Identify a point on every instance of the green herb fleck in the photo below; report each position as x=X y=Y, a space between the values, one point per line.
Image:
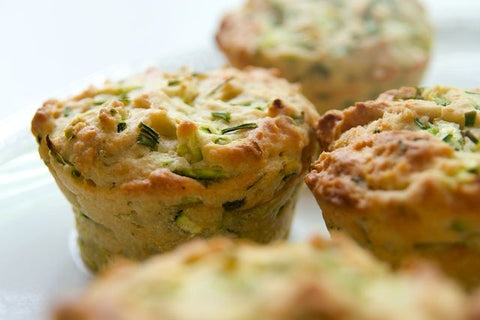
x=218 y=87
x=321 y=70
x=221 y=141
x=98 y=103
x=420 y=124
x=221 y=115
x=67 y=112
x=357 y=179
x=289 y=175
x=240 y=127
x=121 y=126
x=458 y=226
x=470 y=118
x=209 y=174
x=447 y=137
x=300 y=119
x=76 y=173
x=473 y=170
x=278 y=13
x=242 y=104
x=172 y=83
x=54 y=152
x=442 y=101
x=418 y=95
x=377 y=130
x=124 y=98
x=147 y=137
x=471 y=136
x=233 y=205
x=205 y=129
x=471 y=92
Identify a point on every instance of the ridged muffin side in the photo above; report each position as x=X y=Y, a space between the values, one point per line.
x=220 y=279
x=156 y=159
x=340 y=51
x=401 y=175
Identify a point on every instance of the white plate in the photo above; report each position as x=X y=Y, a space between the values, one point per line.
x=39 y=263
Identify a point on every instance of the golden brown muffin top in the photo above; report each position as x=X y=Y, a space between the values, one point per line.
x=408 y=147
x=333 y=28
x=221 y=279
x=156 y=128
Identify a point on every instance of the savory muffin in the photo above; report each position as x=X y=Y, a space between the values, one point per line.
x=339 y=50
x=156 y=159
x=401 y=175
x=222 y=280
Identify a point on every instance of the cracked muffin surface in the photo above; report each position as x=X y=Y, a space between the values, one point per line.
x=401 y=175
x=153 y=160
x=339 y=51
x=221 y=279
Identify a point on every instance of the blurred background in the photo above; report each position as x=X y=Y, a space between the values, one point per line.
x=46 y=46
x=53 y=47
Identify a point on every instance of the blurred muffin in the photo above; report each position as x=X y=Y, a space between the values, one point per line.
x=156 y=159
x=221 y=280
x=340 y=51
x=401 y=176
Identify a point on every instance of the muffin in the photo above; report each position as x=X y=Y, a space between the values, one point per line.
x=401 y=175
x=156 y=159
x=340 y=51
x=219 y=279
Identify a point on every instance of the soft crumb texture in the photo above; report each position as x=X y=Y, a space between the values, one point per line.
x=340 y=51
x=223 y=280
x=156 y=159
x=401 y=175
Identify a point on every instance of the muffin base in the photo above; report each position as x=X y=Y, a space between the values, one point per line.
x=394 y=243
x=265 y=223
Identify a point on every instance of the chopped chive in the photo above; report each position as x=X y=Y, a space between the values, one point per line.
x=300 y=118
x=205 y=129
x=447 y=137
x=288 y=176
x=420 y=124
x=242 y=104
x=76 y=173
x=471 y=92
x=54 y=152
x=208 y=174
x=67 y=112
x=172 y=83
x=124 y=98
x=377 y=130
x=458 y=226
x=470 y=118
x=321 y=70
x=240 y=127
x=442 y=101
x=221 y=141
x=147 y=141
x=473 y=170
x=121 y=126
x=233 y=205
x=219 y=86
x=471 y=136
x=147 y=137
x=221 y=115
x=98 y=103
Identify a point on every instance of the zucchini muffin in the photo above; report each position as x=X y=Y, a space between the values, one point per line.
x=156 y=159
x=340 y=51
x=222 y=280
x=401 y=175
